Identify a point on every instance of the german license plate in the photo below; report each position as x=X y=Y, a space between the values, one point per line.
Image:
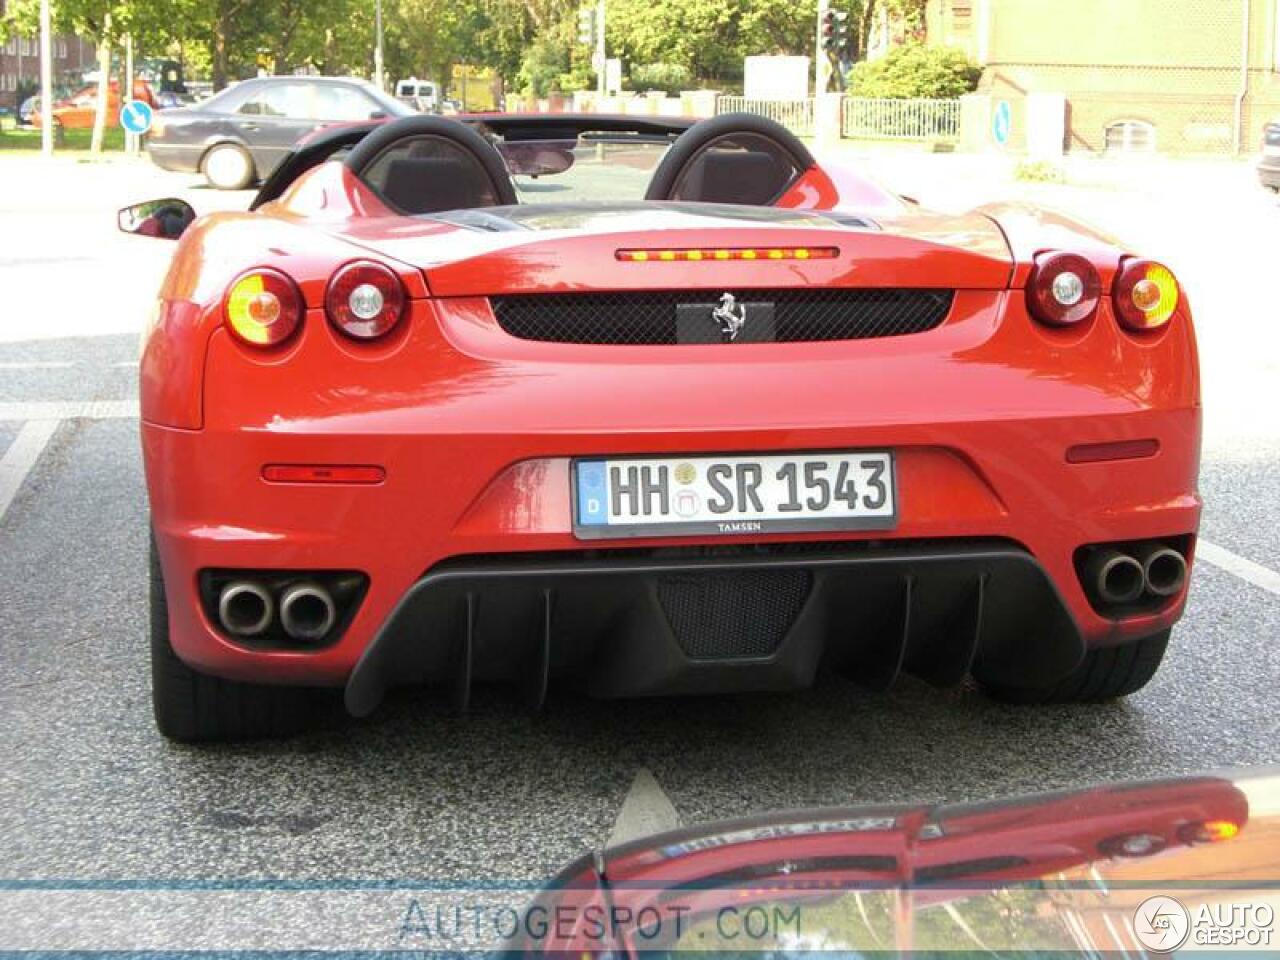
x=788 y=493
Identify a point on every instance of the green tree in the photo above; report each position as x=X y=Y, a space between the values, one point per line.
x=102 y=22
x=916 y=70
x=701 y=35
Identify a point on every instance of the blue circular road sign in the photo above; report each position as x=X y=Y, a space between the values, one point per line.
x=1002 y=122
x=135 y=116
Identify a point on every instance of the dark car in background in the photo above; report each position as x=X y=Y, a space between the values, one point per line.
x=1269 y=165
x=240 y=135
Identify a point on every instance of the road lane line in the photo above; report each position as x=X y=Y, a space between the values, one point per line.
x=70 y=410
x=21 y=457
x=1242 y=567
x=645 y=811
x=37 y=365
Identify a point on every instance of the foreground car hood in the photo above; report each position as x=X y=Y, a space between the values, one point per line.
x=1064 y=871
x=548 y=247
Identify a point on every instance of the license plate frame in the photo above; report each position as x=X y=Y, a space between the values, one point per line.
x=806 y=522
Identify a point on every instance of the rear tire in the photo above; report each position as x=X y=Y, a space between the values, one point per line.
x=191 y=706
x=228 y=166
x=1105 y=674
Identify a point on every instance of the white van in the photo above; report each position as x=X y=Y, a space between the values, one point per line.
x=422 y=95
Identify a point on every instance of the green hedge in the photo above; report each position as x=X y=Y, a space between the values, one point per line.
x=915 y=70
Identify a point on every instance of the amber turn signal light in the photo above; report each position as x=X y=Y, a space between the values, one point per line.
x=263 y=307
x=1145 y=295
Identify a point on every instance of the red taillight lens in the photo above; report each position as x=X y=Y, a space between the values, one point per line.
x=263 y=307
x=1145 y=295
x=365 y=300
x=322 y=473
x=1063 y=290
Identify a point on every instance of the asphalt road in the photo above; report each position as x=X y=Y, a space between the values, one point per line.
x=90 y=792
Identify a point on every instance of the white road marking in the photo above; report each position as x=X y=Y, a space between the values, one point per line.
x=70 y=410
x=21 y=457
x=37 y=365
x=645 y=811
x=1242 y=567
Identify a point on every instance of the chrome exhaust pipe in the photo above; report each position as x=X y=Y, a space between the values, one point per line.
x=245 y=608
x=307 y=611
x=1164 y=570
x=1115 y=577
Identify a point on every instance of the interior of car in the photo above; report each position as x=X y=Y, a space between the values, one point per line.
x=424 y=164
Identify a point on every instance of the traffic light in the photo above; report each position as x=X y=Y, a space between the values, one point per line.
x=587 y=26
x=835 y=31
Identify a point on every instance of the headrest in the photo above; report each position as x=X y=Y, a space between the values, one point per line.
x=431 y=184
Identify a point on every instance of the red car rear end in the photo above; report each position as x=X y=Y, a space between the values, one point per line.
x=942 y=445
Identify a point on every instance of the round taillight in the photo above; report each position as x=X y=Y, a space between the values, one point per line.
x=263 y=307
x=1132 y=845
x=365 y=300
x=1063 y=290
x=1145 y=295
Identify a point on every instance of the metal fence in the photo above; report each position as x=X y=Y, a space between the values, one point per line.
x=900 y=119
x=860 y=116
x=795 y=115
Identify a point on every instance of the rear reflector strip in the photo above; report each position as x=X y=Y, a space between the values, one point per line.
x=728 y=253
x=1118 y=450
x=321 y=473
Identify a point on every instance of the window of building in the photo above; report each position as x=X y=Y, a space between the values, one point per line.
x=12 y=47
x=62 y=49
x=1130 y=136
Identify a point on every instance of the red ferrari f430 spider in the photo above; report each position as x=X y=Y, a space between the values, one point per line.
x=656 y=407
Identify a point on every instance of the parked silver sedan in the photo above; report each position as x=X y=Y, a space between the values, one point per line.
x=240 y=135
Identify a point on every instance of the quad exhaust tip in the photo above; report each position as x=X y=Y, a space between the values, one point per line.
x=245 y=608
x=307 y=612
x=1115 y=577
x=1164 y=570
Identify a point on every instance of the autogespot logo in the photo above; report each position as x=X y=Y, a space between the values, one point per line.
x=1161 y=924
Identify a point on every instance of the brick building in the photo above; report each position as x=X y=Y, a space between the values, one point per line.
x=1178 y=76
x=20 y=64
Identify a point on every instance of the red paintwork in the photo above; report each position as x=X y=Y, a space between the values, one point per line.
x=475 y=428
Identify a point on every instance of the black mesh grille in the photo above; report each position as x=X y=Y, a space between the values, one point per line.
x=800 y=314
x=732 y=615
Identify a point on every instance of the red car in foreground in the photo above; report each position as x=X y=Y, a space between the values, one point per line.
x=657 y=407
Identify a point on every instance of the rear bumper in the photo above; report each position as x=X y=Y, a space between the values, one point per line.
x=476 y=434
x=726 y=619
x=179 y=157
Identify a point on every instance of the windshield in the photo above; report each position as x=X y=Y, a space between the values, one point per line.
x=590 y=168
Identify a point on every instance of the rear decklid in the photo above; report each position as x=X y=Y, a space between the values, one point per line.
x=544 y=248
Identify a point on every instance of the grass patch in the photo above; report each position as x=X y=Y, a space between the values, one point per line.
x=28 y=138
